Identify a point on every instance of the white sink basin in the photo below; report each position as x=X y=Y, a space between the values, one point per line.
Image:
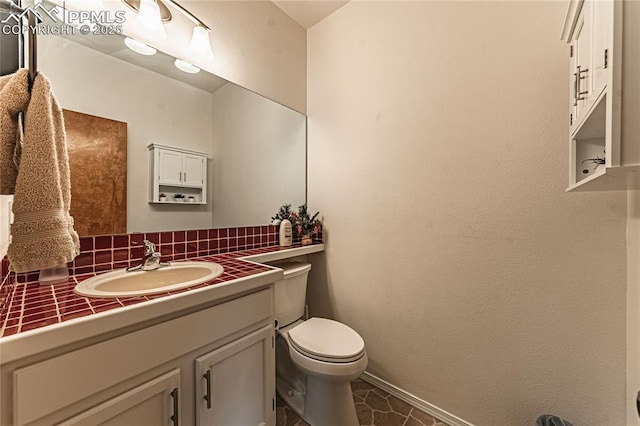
x=121 y=283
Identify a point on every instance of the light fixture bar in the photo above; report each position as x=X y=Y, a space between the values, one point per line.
x=165 y=13
x=186 y=13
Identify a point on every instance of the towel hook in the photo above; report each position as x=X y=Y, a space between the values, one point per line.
x=33 y=50
x=13 y=8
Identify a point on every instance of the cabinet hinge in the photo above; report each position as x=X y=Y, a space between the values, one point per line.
x=571 y=52
x=606 y=58
x=571 y=119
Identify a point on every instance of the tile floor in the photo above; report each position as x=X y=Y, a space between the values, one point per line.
x=375 y=407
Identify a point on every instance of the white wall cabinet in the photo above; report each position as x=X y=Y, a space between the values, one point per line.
x=177 y=171
x=155 y=375
x=235 y=383
x=603 y=149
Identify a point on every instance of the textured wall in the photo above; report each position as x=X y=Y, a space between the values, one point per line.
x=438 y=156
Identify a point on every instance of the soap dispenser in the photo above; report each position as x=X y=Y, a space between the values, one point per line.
x=286 y=234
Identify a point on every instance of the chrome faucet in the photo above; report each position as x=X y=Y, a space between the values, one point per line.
x=150 y=260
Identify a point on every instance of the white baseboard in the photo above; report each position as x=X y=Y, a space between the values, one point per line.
x=413 y=400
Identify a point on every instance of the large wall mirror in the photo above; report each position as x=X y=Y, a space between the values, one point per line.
x=256 y=147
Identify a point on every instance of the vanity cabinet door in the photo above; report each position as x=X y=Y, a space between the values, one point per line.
x=235 y=384
x=193 y=170
x=154 y=403
x=170 y=167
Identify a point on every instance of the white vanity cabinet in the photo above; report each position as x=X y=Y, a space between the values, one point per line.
x=234 y=384
x=155 y=375
x=177 y=171
x=604 y=150
x=153 y=403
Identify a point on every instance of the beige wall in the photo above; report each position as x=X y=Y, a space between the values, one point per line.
x=438 y=157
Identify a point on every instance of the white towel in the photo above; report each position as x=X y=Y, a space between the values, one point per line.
x=42 y=231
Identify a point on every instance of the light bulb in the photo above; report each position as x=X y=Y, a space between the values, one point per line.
x=139 y=47
x=149 y=18
x=200 y=43
x=186 y=67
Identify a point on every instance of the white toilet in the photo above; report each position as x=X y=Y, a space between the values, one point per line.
x=315 y=359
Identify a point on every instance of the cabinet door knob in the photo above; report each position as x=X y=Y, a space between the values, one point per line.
x=207 y=397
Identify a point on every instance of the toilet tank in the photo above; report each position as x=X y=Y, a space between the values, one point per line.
x=291 y=291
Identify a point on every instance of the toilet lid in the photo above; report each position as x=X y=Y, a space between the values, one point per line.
x=327 y=340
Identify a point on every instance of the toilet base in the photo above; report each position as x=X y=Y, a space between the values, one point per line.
x=329 y=403
x=319 y=400
x=326 y=403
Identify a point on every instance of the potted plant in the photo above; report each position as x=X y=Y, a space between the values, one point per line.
x=283 y=213
x=162 y=197
x=304 y=225
x=178 y=197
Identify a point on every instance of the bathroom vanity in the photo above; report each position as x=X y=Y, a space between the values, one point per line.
x=204 y=356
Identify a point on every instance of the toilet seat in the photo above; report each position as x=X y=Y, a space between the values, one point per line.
x=326 y=340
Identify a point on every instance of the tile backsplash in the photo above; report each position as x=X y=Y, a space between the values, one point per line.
x=104 y=253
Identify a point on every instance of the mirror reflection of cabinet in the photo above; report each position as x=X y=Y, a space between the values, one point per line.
x=177 y=171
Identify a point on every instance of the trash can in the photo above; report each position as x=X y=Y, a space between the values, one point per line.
x=549 y=420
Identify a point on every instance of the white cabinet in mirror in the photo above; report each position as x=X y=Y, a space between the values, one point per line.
x=256 y=147
x=178 y=175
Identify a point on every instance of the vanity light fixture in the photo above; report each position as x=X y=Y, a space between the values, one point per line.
x=153 y=13
x=139 y=47
x=186 y=67
x=149 y=17
x=200 y=43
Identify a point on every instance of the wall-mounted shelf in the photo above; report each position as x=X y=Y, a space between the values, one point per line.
x=178 y=202
x=177 y=171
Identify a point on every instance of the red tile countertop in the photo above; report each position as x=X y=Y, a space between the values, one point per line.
x=29 y=306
